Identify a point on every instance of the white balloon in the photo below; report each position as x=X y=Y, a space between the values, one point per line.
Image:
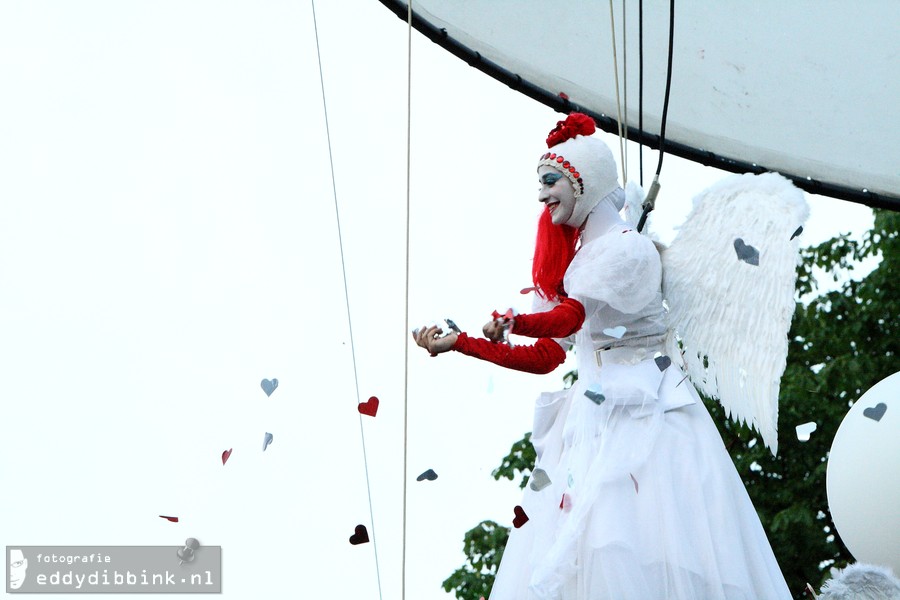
x=863 y=476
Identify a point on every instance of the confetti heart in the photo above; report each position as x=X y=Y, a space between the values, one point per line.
x=746 y=252
x=370 y=407
x=430 y=475
x=172 y=519
x=267 y=440
x=595 y=395
x=663 y=362
x=633 y=480
x=539 y=480
x=797 y=232
x=571 y=481
x=876 y=412
x=803 y=431
x=521 y=517
x=616 y=332
x=361 y=536
x=269 y=385
x=565 y=503
x=226 y=455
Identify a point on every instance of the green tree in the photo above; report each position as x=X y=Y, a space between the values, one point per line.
x=842 y=342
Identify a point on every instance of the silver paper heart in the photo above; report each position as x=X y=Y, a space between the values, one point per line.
x=595 y=395
x=539 y=480
x=269 y=386
x=876 y=412
x=267 y=440
x=663 y=362
x=746 y=252
x=430 y=475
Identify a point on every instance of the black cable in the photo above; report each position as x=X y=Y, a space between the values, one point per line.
x=650 y=201
x=662 y=127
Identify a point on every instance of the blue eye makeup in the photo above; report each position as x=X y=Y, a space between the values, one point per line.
x=550 y=178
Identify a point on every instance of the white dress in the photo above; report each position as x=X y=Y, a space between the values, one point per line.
x=644 y=501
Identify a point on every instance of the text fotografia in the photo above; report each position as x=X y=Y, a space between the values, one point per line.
x=116 y=578
x=70 y=559
x=189 y=568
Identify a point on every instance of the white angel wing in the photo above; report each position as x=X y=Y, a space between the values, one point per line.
x=728 y=282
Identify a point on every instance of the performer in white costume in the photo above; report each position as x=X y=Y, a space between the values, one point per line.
x=633 y=495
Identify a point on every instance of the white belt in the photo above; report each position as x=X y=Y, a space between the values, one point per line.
x=627 y=355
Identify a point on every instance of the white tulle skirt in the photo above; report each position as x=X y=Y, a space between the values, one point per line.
x=643 y=500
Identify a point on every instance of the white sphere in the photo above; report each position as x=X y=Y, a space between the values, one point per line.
x=863 y=476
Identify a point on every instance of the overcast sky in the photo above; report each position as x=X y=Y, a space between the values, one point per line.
x=168 y=239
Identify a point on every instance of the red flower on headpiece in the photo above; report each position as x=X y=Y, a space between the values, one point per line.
x=575 y=124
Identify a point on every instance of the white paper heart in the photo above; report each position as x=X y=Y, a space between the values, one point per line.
x=804 y=431
x=616 y=332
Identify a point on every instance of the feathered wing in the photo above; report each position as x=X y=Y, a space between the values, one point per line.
x=728 y=282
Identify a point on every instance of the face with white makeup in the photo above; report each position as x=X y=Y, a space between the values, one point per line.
x=557 y=194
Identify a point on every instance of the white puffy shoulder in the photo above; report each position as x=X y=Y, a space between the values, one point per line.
x=622 y=269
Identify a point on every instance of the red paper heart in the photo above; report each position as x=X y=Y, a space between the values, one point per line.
x=361 y=536
x=565 y=503
x=172 y=519
x=635 y=483
x=368 y=408
x=225 y=455
x=521 y=517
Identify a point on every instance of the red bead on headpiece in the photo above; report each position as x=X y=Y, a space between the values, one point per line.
x=575 y=124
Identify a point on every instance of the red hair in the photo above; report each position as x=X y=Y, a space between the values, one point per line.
x=554 y=249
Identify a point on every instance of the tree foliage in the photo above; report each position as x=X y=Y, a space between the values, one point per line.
x=842 y=342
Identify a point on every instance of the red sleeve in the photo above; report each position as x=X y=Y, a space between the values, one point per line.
x=562 y=321
x=544 y=356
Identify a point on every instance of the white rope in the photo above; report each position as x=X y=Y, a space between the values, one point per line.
x=406 y=295
x=612 y=30
x=625 y=85
x=337 y=213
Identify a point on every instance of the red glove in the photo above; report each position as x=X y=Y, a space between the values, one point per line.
x=544 y=356
x=562 y=321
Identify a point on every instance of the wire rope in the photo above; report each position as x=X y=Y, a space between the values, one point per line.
x=641 y=87
x=612 y=29
x=337 y=214
x=625 y=82
x=406 y=294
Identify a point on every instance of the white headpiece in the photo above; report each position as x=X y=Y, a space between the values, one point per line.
x=586 y=161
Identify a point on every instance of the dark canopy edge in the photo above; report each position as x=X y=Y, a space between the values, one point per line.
x=563 y=105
